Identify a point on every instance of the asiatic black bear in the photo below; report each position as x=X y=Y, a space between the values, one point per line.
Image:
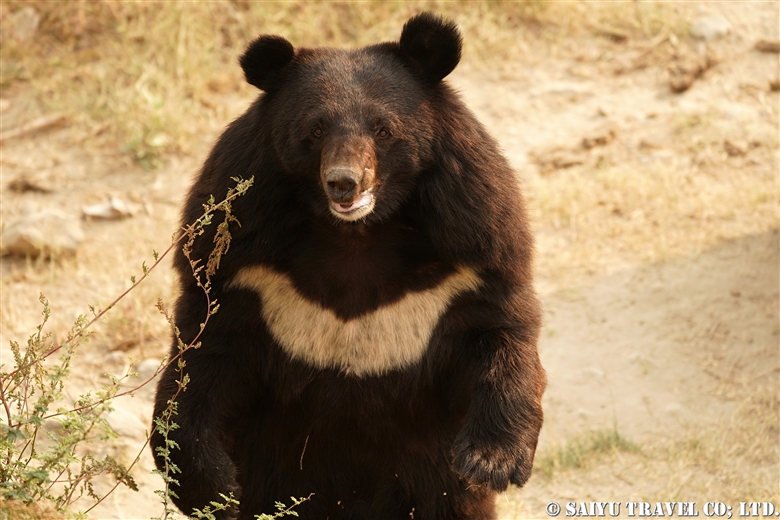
x=376 y=338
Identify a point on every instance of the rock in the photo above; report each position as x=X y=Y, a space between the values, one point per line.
x=613 y=33
x=674 y=408
x=54 y=426
x=115 y=358
x=768 y=46
x=558 y=158
x=24 y=24
x=45 y=233
x=593 y=372
x=146 y=368
x=583 y=413
x=710 y=27
x=683 y=74
x=735 y=148
x=600 y=136
x=142 y=385
x=681 y=83
x=114 y=209
x=25 y=183
x=125 y=422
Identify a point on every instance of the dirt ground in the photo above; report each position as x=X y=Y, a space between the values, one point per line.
x=658 y=257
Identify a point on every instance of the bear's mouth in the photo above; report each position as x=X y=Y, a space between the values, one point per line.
x=358 y=209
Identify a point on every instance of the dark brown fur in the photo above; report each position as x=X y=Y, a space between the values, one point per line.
x=437 y=437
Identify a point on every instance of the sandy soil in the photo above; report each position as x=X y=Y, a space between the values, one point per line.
x=667 y=334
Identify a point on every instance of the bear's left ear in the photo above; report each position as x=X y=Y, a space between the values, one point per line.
x=264 y=59
x=432 y=45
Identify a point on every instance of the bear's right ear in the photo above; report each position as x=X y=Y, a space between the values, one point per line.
x=264 y=59
x=432 y=45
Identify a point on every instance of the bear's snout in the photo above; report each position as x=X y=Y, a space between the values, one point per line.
x=341 y=184
x=348 y=175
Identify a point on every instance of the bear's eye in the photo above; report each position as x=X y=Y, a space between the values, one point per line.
x=317 y=132
x=382 y=133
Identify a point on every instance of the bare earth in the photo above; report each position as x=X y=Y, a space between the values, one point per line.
x=658 y=263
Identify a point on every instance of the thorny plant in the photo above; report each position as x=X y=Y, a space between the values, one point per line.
x=61 y=471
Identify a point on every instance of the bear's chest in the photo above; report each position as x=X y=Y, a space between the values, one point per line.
x=391 y=335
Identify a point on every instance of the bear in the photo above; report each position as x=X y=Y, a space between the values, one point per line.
x=375 y=347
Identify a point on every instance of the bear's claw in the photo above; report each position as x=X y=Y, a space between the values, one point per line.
x=492 y=466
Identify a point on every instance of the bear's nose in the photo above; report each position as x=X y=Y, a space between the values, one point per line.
x=342 y=184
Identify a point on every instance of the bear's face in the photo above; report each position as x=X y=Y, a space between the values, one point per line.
x=351 y=126
x=355 y=124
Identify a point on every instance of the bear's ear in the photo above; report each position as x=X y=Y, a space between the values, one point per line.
x=264 y=59
x=432 y=45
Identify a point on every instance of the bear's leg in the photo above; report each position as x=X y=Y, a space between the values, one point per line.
x=496 y=445
x=219 y=384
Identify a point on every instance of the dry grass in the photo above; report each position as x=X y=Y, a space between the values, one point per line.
x=17 y=511
x=582 y=452
x=100 y=272
x=148 y=96
x=149 y=79
x=704 y=462
x=734 y=461
x=597 y=220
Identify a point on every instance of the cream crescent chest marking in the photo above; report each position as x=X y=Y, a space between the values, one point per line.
x=392 y=336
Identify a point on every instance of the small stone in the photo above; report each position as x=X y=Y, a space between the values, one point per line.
x=593 y=372
x=681 y=83
x=125 y=422
x=114 y=209
x=583 y=413
x=558 y=158
x=689 y=70
x=46 y=233
x=566 y=159
x=710 y=27
x=735 y=148
x=147 y=368
x=768 y=46
x=673 y=408
x=24 y=24
x=24 y=184
x=115 y=358
x=614 y=34
x=53 y=425
x=601 y=136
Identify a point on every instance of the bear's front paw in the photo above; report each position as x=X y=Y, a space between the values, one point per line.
x=493 y=465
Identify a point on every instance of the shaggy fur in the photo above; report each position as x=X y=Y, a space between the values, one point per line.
x=376 y=338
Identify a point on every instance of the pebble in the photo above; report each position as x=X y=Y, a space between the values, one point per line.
x=45 y=233
x=710 y=27
x=24 y=24
x=114 y=209
x=126 y=422
x=735 y=148
x=147 y=368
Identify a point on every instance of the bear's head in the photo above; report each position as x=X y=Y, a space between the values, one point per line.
x=355 y=127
